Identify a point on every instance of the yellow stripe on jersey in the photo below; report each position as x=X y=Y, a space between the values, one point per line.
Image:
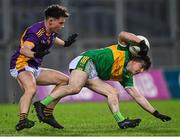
x=22 y=41
x=40 y=32
x=118 y=65
x=84 y=59
x=22 y=60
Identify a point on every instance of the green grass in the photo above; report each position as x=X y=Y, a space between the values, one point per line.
x=95 y=119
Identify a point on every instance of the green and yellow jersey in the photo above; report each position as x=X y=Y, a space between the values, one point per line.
x=111 y=64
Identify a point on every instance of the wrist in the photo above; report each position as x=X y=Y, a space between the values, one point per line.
x=35 y=54
x=65 y=44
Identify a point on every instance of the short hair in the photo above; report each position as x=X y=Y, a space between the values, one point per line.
x=145 y=60
x=56 y=11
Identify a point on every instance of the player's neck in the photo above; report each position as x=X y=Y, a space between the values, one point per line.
x=48 y=31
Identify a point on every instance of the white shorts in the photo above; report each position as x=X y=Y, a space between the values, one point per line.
x=90 y=68
x=14 y=72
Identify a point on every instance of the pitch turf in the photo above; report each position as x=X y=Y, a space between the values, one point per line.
x=95 y=119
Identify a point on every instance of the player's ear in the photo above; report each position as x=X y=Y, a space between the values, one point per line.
x=130 y=62
x=50 y=21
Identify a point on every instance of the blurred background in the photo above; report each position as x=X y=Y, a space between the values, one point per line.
x=98 y=23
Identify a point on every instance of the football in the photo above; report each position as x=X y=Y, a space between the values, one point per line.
x=134 y=49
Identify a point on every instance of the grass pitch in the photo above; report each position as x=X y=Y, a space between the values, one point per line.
x=95 y=119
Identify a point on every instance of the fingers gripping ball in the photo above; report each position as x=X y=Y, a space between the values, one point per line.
x=145 y=39
x=141 y=49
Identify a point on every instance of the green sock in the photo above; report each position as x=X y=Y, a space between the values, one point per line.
x=118 y=116
x=47 y=100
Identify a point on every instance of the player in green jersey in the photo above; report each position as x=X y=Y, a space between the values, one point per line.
x=116 y=63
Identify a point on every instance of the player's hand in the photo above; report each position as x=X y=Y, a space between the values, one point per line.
x=143 y=48
x=161 y=116
x=41 y=53
x=71 y=39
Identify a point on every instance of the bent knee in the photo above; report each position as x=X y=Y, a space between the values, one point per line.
x=30 y=92
x=74 y=89
x=113 y=95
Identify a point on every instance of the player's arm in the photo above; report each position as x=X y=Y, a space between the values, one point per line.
x=132 y=42
x=140 y=99
x=26 y=50
x=144 y=103
x=127 y=38
x=59 y=42
x=66 y=43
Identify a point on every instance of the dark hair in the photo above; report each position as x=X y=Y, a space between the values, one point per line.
x=56 y=11
x=145 y=60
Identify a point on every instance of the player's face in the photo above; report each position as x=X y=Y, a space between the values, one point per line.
x=55 y=25
x=135 y=67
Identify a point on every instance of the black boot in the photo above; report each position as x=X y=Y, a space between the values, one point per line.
x=50 y=120
x=129 y=123
x=24 y=124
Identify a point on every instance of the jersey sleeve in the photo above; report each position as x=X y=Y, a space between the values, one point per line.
x=122 y=45
x=32 y=37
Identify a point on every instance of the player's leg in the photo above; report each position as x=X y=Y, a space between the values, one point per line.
x=77 y=80
x=27 y=83
x=20 y=84
x=51 y=77
x=111 y=93
x=106 y=90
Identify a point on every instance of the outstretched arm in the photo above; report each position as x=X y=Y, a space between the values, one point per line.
x=59 y=42
x=65 y=43
x=140 y=99
x=144 y=103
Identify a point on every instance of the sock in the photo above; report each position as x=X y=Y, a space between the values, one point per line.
x=47 y=100
x=22 y=116
x=118 y=117
x=48 y=111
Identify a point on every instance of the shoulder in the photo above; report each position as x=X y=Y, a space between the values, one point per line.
x=37 y=28
x=112 y=47
x=119 y=49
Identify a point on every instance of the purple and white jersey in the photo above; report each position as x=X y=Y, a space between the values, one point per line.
x=37 y=36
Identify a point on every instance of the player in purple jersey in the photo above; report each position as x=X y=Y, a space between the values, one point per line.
x=25 y=63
